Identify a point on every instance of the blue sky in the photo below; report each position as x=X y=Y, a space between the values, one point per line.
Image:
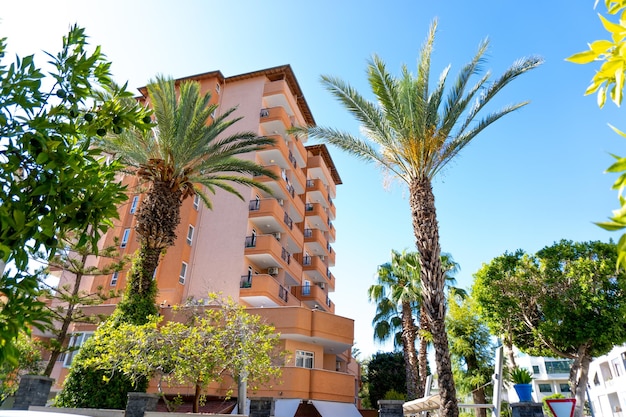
x=532 y=178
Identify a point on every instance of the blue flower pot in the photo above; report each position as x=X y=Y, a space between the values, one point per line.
x=524 y=392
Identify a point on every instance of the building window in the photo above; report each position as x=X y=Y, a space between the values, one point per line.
x=114 y=277
x=196 y=201
x=217 y=88
x=133 y=204
x=558 y=367
x=125 y=238
x=616 y=367
x=304 y=359
x=183 y=273
x=535 y=369
x=564 y=388
x=76 y=341
x=190 y=235
x=545 y=388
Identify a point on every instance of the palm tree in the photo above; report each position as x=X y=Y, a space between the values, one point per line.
x=413 y=132
x=399 y=287
x=186 y=153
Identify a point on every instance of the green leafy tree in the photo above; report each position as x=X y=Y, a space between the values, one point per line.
x=28 y=361
x=188 y=150
x=209 y=343
x=414 y=132
x=385 y=372
x=471 y=349
x=571 y=304
x=51 y=176
x=65 y=301
x=608 y=82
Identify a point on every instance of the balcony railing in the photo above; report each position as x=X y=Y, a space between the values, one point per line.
x=286 y=256
x=292 y=159
x=308 y=232
x=251 y=241
x=288 y=221
x=265 y=112
x=306 y=260
x=283 y=294
x=255 y=205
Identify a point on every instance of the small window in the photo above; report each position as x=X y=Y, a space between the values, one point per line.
x=133 y=205
x=196 y=202
x=535 y=369
x=564 y=387
x=190 y=235
x=545 y=388
x=213 y=113
x=114 y=277
x=125 y=238
x=183 y=273
x=304 y=359
x=76 y=341
x=217 y=88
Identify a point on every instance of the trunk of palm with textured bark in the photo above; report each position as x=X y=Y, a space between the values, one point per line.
x=422 y=356
x=426 y=231
x=157 y=220
x=410 y=355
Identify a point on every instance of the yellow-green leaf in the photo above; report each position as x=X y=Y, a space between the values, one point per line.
x=583 y=57
x=614 y=28
x=602 y=46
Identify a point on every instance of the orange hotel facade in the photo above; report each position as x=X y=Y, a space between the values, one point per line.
x=273 y=252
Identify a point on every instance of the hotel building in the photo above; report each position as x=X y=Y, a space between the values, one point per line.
x=273 y=253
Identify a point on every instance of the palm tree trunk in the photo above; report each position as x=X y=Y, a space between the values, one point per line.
x=426 y=231
x=422 y=356
x=410 y=355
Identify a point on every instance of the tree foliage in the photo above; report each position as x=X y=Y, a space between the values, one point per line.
x=200 y=346
x=471 y=350
x=385 y=372
x=28 y=362
x=608 y=81
x=567 y=300
x=52 y=178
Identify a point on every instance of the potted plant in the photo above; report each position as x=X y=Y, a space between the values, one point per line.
x=522 y=378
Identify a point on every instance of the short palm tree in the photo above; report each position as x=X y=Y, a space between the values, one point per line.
x=186 y=153
x=397 y=295
x=413 y=132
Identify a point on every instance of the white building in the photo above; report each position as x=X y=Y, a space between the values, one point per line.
x=550 y=376
x=607 y=383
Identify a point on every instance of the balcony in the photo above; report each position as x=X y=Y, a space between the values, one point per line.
x=315 y=384
x=316 y=269
x=317 y=192
x=313 y=297
x=283 y=189
x=280 y=154
x=269 y=217
x=316 y=215
x=316 y=168
x=317 y=244
x=274 y=121
x=334 y=333
x=266 y=251
x=264 y=290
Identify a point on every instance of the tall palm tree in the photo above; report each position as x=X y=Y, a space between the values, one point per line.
x=399 y=287
x=413 y=132
x=186 y=150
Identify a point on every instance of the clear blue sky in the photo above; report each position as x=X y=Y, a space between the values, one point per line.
x=532 y=178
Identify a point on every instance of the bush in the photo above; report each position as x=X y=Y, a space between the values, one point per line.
x=546 y=409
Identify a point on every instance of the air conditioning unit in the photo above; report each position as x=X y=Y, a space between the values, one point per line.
x=272 y=271
x=322 y=285
x=322 y=257
x=281 y=201
x=276 y=235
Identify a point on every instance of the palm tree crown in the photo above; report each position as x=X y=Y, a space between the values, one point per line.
x=188 y=148
x=414 y=132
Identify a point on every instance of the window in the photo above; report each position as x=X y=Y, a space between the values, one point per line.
x=125 y=238
x=616 y=367
x=183 y=273
x=545 y=388
x=564 y=387
x=114 y=277
x=196 y=202
x=535 y=369
x=190 y=235
x=133 y=205
x=217 y=88
x=76 y=341
x=558 y=367
x=304 y=359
